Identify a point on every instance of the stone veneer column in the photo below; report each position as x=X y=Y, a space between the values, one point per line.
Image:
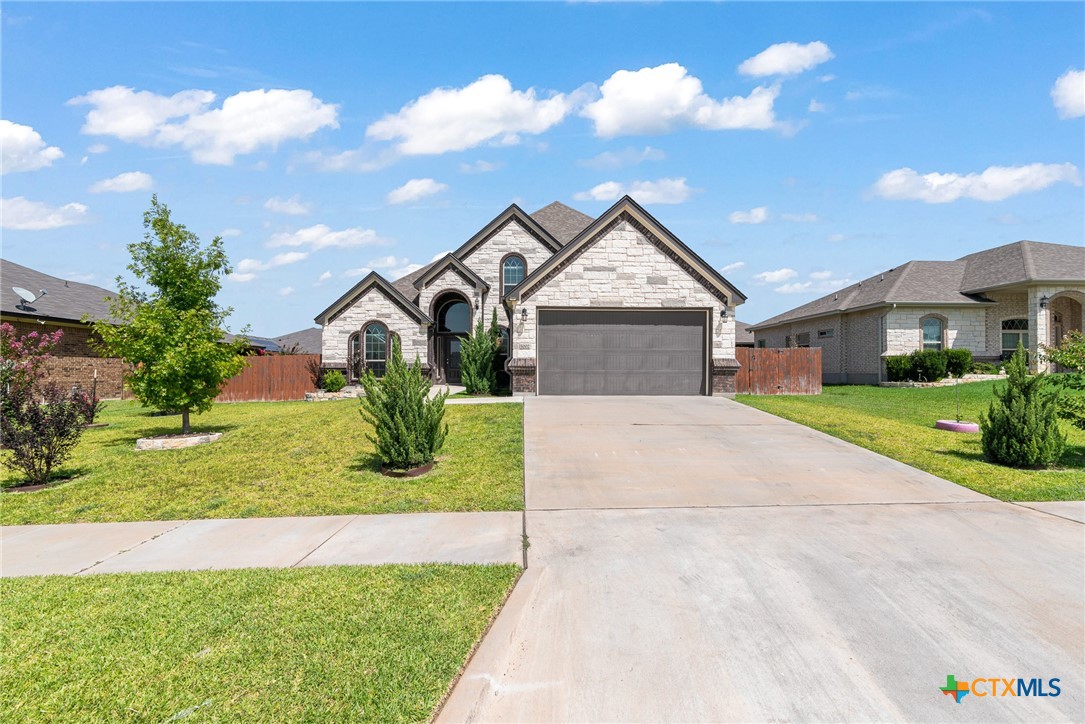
x=723 y=376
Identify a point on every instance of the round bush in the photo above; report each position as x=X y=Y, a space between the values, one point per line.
x=334 y=381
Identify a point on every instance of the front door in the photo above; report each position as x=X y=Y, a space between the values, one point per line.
x=452 y=346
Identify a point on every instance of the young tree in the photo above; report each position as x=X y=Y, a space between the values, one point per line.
x=172 y=334
x=1021 y=428
x=478 y=352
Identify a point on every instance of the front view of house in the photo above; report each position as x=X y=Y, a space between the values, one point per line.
x=610 y=306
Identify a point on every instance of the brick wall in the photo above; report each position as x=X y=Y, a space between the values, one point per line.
x=75 y=360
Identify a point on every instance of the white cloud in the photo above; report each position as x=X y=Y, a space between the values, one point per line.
x=286 y=291
x=247 y=266
x=292 y=206
x=816 y=106
x=823 y=283
x=663 y=191
x=455 y=119
x=819 y=275
x=656 y=100
x=786 y=59
x=237 y=277
x=404 y=270
x=357 y=272
x=21 y=213
x=323 y=278
x=24 y=149
x=800 y=218
x=758 y=215
x=97 y=148
x=479 y=167
x=415 y=189
x=79 y=277
x=733 y=267
x=230 y=232
x=246 y=121
x=387 y=262
x=322 y=237
x=625 y=157
x=1068 y=94
x=779 y=275
x=994 y=184
x=440 y=255
x=827 y=78
x=836 y=237
x=123 y=183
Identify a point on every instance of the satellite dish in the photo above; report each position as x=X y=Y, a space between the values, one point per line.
x=27 y=296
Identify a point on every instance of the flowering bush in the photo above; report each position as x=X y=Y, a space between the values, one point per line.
x=23 y=357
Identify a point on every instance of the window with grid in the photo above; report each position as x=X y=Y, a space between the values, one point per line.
x=932 y=333
x=1014 y=332
x=512 y=271
x=376 y=349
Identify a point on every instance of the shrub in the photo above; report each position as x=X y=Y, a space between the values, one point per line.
x=1070 y=353
x=40 y=435
x=24 y=357
x=984 y=368
x=478 y=352
x=928 y=365
x=1071 y=405
x=334 y=381
x=316 y=373
x=88 y=405
x=408 y=427
x=898 y=368
x=958 y=362
x=1021 y=427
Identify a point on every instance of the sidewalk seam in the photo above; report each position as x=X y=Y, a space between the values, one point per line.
x=182 y=524
x=334 y=533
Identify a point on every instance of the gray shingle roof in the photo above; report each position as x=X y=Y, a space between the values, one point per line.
x=743 y=335
x=950 y=282
x=309 y=340
x=563 y=222
x=65 y=301
x=405 y=284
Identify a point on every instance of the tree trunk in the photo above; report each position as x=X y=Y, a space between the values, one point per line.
x=185 y=429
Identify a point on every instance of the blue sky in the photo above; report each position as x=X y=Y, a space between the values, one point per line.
x=797 y=147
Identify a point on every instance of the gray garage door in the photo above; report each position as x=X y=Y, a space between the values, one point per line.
x=629 y=352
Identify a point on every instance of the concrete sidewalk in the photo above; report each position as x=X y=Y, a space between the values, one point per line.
x=81 y=548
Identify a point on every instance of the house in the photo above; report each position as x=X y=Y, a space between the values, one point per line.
x=743 y=335
x=1028 y=292
x=62 y=304
x=615 y=305
x=304 y=341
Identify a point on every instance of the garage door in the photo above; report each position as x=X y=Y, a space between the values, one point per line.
x=626 y=352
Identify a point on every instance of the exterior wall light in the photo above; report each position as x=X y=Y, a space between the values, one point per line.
x=523 y=314
x=1044 y=301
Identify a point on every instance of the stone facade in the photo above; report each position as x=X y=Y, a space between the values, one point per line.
x=622 y=269
x=373 y=305
x=449 y=280
x=964 y=328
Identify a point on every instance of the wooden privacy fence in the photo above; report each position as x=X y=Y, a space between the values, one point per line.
x=274 y=377
x=769 y=371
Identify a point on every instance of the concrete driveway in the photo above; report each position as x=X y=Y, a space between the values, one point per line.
x=697 y=560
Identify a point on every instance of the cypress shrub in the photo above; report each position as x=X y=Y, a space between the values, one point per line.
x=408 y=426
x=958 y=362
x=478 y=352
x=1021 y=427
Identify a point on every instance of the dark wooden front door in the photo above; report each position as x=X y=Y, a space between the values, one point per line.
x=451 y=360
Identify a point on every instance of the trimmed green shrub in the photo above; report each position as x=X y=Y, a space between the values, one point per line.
x=984 y=368
x=477 y=356
x=407 y=424
x=1021 y=427
x=898 y=368
x=334 y=381
x=958 y=362
x=928 y=365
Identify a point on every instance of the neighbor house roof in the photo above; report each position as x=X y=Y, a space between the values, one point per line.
x=308 y=340
x=958 y=282
x=65 y=301
x=563 y=222
x=743 y=335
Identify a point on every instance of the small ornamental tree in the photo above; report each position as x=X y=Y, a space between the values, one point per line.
x=1021 y=427
x=478 y=352
x=172 y=334
x=408 y=425
x=1070 y=354
x=23 y=357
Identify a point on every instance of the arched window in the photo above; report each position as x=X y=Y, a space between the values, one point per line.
x=513 y=271
x=376 y=348
x=454 y=316
x=933 y=332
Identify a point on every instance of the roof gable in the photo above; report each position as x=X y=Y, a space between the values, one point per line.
x=1022 y=262
x=626 y=209
x=434 y=272
x=512 y=213
x=371 y=281
x=563 y=222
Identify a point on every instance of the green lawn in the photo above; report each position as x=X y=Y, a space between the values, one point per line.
x=899 y=423
x=311 y=644
x=274 y=459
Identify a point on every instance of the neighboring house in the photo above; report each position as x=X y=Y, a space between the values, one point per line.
x=613 y=305
x=304 y=341
x=1028 y=292
x=743 y=335
x=63 y=306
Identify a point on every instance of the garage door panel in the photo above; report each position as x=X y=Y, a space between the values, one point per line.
x=631 y=352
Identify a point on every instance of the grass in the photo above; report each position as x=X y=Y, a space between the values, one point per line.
x=274 y=459
x=899 y=423
x=312 y=644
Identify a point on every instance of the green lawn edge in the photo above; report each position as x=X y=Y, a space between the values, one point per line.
x=899 y=423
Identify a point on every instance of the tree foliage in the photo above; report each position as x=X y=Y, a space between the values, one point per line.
x=40 y=427
x=1021 y=427
x=408 y=425
x=171 y=334
x=1070 y=353
x=478 y=353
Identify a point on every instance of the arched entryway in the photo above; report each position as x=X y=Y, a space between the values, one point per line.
x=1066 y=312
x=452 y=314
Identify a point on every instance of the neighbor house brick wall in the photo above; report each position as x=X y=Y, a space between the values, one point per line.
x=965 y=328
x=833 y=359
x=373 y=305
x=79 y=372
x=623 y=269
x=864 y=343
x=76 y=340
